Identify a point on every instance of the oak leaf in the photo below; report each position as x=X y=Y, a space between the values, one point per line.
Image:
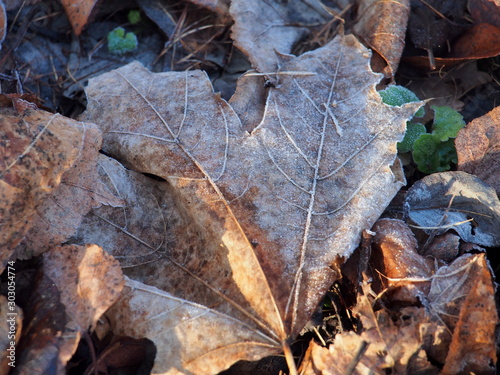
x=275 y=211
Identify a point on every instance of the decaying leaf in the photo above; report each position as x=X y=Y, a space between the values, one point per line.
x=478 y=148
x=455 y=328
x=384 y=345
x=79 y=12
x=60 y=214
x=472 y=349
x=37 y=147
x=382 y=24
x=461 y=299
x=257 y=22
x=275 y=210
x=398 y=248
x=458 y=201
x=73 y=288
x=395 y=260
x=141 y=230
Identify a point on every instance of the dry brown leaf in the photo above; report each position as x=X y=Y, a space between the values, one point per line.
x=73 y=288
x=462 y=299
x=150 y=213
x=249 y=101
x=382 y=25
x=398 y=248
x=37 y=149
x=384 y=345
x=78 y=12
x=473 y=344
x=485 y=11
x=478 y=148
x=317 y=171
x=395 y=256
x=61 y=213
x=257 y=22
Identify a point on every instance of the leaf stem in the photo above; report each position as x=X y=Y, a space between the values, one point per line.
x=289 y=358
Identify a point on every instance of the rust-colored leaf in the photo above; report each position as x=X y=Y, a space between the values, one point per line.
x=78 y=12
x=473 y=344
x=275 y=211
x=487 y=11
x=462 y=299
x=398 y=248
x=394 y=255
x=478 y=148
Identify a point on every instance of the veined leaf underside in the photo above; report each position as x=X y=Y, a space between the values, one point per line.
x=307 y=152
x=200 y=312
x=188 y=139
x=274 y=209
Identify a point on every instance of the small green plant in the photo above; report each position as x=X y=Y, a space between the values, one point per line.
x=434 y=151
x=120 y=43
x=134 y=17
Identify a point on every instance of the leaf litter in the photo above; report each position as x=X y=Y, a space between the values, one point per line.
x=273 y=233
x=170 y=225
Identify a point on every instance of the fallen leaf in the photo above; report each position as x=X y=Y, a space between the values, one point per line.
x=473 y=345
x=384 y=345
x=79 y=13
x=444 y=247
x=435 y=23
x=60 y=214
x=36 y=149
x=474 y=208
x=317 y=171
x=382 y=25
x=249 y=101
x=462 y=298
x=394 y=254
x=479 y=42
x=478 y=148
x=487 y=11
x=150 y=212
x=398 y=248
x=73 y=288
x=257 y=22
